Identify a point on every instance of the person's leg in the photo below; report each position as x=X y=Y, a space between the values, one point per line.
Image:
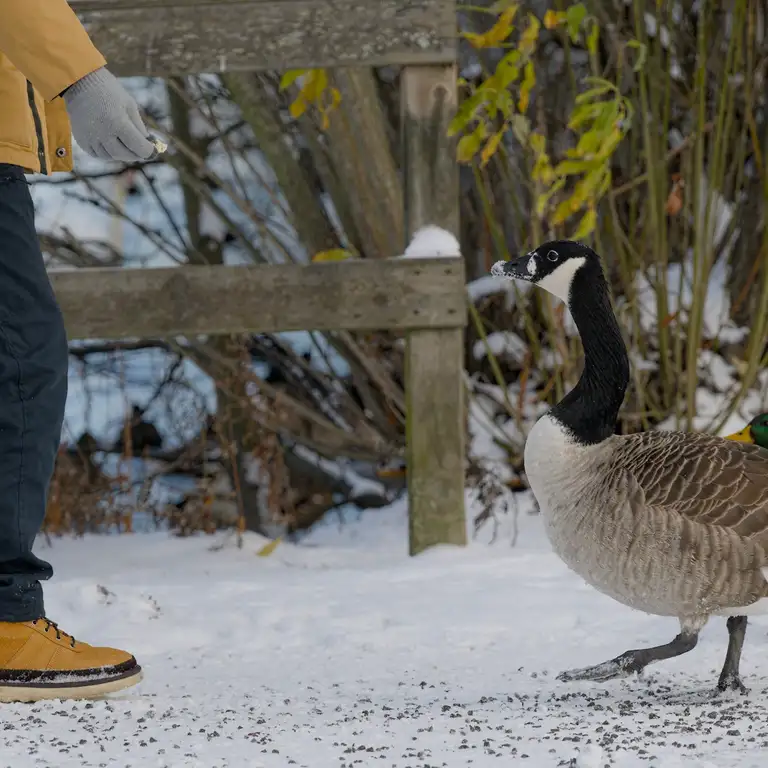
x=33 y=391
x=37 y=659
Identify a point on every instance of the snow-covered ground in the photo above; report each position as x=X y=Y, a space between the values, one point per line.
x=344 y=652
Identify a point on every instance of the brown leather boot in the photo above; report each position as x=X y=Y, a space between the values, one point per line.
x=39 y=661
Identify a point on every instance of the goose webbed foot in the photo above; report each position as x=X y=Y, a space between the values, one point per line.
x=729 y=677
x=599 y=673
x=633 y=662
x=731 y=683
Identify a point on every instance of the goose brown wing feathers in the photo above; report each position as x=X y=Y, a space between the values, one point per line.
x=705 y=479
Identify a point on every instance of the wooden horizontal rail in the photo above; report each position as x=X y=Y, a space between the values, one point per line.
x=395 y=294
x=175 y=37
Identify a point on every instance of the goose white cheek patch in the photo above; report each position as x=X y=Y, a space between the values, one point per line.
x=558 y=282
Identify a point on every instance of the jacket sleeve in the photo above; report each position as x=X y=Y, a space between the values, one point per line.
x=46 y=42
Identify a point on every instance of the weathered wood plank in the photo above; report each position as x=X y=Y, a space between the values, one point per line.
x=354 y=295
x=164 y=37
x=435 y=438
x=435 y=421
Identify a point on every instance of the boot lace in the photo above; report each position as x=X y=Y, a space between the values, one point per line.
x=59 y=632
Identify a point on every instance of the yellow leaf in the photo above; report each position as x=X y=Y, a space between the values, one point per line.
x=528 y=39
x=314 y=85
x=529 y=80
x=586 y=225
x=489 y=150
x=298 y=107
x=475 y=40
x=542 y=170
x=335 y=254
x=314 y=91
x=553 y=19
x=497 y=34
x=335 y=98
x=269 y=548
x=290 y=77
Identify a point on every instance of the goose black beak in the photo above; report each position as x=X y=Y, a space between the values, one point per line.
x=514 y=269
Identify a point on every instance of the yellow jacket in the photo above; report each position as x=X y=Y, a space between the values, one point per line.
x=43 y=50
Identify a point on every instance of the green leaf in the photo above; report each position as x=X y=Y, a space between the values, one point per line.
x=574 y=16
x=593 y=93
x=583 y=114
x=607 y=117
x=506 y=104
x=562 y=212
x=507 y=70
x=642 y=53
x=589 y=144
x=572 y=167
x=467 y=111
x=542 y=201
x=592 y=38
x=586 y=225
x=538 y=142
x=469 y=145
x=521 y=128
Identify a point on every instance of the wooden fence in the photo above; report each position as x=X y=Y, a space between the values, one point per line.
x=425 y=297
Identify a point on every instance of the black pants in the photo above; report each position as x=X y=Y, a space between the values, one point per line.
x=33 y=392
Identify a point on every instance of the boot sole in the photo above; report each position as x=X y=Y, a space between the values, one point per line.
x=28 y=693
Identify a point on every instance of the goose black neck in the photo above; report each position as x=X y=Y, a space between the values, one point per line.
x=589 y=411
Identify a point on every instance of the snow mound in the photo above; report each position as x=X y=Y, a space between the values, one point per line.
x=432 y=243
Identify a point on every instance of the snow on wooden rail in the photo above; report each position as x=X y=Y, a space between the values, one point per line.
x=174 y=37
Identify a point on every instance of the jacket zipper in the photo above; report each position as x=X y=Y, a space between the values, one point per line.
x=38 y=128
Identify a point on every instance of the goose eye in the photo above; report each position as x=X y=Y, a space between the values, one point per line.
x=553 y=255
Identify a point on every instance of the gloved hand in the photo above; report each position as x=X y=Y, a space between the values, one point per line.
x=105 y=119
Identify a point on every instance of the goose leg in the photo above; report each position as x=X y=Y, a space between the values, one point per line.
x=729 y=677
x=633 y=662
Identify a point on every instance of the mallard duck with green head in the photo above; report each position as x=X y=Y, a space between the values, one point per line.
x=756 y=432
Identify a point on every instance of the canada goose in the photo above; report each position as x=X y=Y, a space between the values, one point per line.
x=669 y=523
x=755 y=432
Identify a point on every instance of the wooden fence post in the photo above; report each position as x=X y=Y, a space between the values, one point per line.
x=434 y=357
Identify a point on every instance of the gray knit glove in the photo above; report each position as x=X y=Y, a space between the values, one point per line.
x=105 y=119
